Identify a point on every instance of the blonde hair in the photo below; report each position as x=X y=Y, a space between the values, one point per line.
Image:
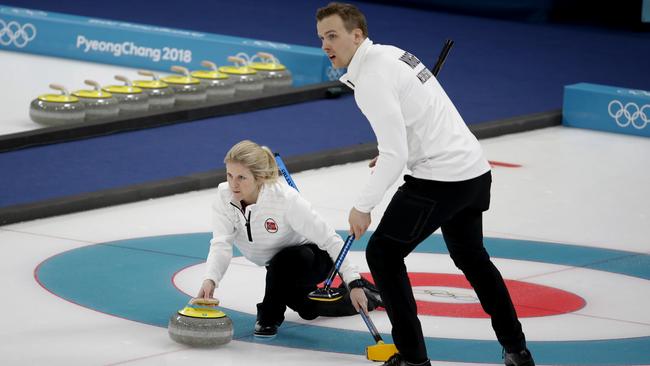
x=258 y=159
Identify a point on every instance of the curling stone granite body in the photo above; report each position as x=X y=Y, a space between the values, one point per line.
x=132 y=100
x=275 y=76
x=188 y=90
x=161 y=96
x=57 y=110
x=246 y=80
x=219 y=86
x=100 y=105
x=200 y=332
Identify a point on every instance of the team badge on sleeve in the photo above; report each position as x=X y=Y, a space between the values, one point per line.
x=271 y=226
x=424 y=75
x=410 y=60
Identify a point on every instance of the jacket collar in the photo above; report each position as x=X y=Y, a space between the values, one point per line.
x=350 y=77
x=260 y=197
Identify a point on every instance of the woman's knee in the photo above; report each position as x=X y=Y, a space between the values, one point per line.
x=292 y=257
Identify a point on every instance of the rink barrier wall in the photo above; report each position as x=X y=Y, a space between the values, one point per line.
x=607 y=108
x=210 y=179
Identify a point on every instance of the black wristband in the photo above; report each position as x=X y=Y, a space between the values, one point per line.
x=358 y=283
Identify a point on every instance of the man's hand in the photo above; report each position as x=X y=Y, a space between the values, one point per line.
x=373 y=162
x=359 y=222
x=359 y=299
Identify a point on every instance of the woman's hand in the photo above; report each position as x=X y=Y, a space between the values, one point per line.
x=359 y=299
x=207 y=290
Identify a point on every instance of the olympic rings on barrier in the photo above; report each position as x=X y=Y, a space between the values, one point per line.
x=14 y=33
x=634 y=115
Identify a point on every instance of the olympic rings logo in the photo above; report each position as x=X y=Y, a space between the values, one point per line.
x=14 y=33
x=446 y=294
x=630 y=113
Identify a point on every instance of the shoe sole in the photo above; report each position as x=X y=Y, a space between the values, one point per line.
x=263 y=336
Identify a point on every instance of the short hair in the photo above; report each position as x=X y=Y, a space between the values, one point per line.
x=351 y=15
x=258 y=159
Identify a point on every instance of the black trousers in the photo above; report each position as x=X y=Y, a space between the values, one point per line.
x=290 y=276
x=417 y=209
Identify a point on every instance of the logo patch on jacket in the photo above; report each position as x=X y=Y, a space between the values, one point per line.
x=271 y=226
x=410 y=60
x=424 y=75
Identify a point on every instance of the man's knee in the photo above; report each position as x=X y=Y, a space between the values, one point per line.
x=380 y=253
x=466 y=259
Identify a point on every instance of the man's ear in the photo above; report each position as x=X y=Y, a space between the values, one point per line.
x=358 y=36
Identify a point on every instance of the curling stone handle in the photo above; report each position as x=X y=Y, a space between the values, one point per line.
x=203 y=301
x=181 y=70
x=267 y=56
x=93 y=83
x=236 y=60
x=123 y=79
x=148 y=73
x=209 y=64
x=60 y=88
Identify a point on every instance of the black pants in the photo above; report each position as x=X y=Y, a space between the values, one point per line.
x=290 y=276
x=418 y=209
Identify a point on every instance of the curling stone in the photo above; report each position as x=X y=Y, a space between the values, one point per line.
x=220 y=86
x=132 y=100
x=100 y=105
x=188 y=90
x=247 y=81
x=57 y=109
x=275 y=76
x=200 y=324
x=161 y=95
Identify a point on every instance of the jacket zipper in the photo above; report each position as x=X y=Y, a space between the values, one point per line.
x=248 y=222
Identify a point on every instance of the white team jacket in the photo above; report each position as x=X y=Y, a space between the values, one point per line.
x=415 y=122
x=281 y=218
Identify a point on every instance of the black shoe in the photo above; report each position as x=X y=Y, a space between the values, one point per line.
x=397 y=360
x=265 y=331
x=521 y=358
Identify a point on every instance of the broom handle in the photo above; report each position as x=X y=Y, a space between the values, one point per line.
x=366 y=319
x=284 y=171
x=339 y=261
x=442 y=57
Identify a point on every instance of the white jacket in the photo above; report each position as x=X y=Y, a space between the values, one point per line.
x=281 y=218
x=415 y=122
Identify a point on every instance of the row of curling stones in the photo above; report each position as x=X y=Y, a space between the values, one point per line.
x=243 y=79
x=89 y=105
x=200 y=324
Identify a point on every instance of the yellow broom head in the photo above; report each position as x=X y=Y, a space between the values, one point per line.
x=380 y=351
